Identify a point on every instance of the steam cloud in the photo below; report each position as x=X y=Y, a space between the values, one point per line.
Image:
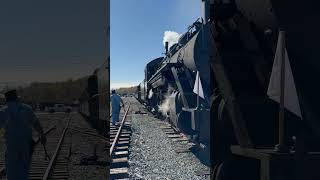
x=164 y=108
x=171 y=37
x=150 y=94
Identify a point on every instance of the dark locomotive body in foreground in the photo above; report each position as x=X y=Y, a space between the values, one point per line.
x=94 y=102
x=244 y=129
x=168 y=87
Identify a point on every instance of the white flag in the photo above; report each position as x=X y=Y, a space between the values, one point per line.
x=198 y=87
x=291 y=101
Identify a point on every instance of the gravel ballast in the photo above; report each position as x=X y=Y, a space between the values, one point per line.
x=152 y=154
x=83 y=146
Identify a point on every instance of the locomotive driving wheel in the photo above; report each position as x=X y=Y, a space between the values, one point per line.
x=234 y=169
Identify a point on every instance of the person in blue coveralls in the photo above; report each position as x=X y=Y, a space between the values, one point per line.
x=17 y=120
x=115 y=105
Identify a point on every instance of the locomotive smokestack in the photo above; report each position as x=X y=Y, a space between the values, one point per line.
x=166 y=46
x=206 y=11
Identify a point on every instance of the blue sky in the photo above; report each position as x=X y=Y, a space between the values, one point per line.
x=137 y=30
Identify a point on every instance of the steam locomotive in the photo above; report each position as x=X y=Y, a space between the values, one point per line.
x=233 y=54
x=169 y=85
x=94 y=101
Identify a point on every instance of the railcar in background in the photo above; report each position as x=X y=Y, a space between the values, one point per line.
x=141 y=92
x=94 y=101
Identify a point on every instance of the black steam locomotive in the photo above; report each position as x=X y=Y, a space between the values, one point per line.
x=233 y=54
x=94 y=102
x=170 y=85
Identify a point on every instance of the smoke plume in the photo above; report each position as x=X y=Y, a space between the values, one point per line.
x=171 y=37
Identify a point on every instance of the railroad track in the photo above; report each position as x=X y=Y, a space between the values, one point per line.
x=58 y=148
x=119 y=150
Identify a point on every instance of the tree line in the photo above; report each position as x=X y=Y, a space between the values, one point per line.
x=66 y=92
x=127 y=90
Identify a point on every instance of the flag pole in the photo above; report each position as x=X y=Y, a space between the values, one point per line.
x=198 y=89
x=198 y=103
x=281 y=147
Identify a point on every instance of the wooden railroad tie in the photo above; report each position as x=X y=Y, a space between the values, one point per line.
x=117 y=173
x=165 y=127
x=170 y=132
x=180 y=139
x=119 y=137
x=119 y=162
x=182 y=150
x=174 y=136
x=121 y=154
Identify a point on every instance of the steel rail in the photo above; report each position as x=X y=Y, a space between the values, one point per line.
x=45 y=133
x=119 y=130
x=111 y=113
x=90 y=134
x=55 y=155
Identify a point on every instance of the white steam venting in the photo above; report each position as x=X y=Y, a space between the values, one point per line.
x=171 y=37
x=150 y=94
x=164 y=108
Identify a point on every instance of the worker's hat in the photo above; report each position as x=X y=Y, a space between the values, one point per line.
x=11 y=95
